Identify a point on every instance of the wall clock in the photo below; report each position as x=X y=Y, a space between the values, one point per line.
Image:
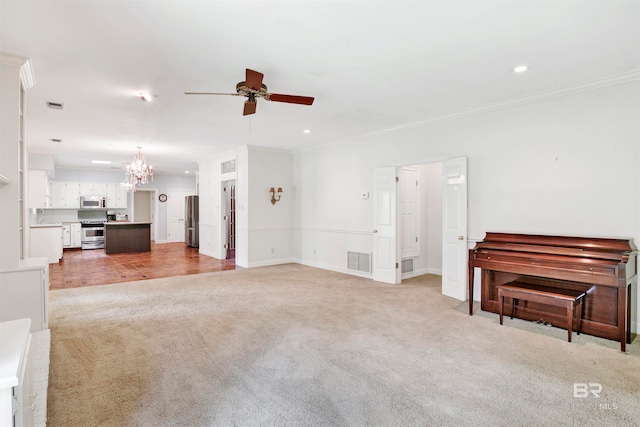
x=162 y=197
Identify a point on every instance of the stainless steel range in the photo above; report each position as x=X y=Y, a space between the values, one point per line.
x=92 y=234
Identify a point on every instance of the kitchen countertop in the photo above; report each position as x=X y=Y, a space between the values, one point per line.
x=127 y=223
x=45 y=225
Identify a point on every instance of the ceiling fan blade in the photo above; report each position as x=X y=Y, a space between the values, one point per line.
x=291 y=99
x=254 y=79
x=210 y=93
x=249 y=108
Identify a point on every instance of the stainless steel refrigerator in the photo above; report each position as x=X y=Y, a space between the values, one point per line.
x=191 y=221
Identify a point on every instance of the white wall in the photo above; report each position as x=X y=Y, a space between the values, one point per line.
x=209 y=204
x=431 y=209
x=567 y=165
x=9 y=192
x=269 y=229
x=263 y=230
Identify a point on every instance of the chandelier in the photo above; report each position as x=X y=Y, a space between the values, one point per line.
x=137 y=172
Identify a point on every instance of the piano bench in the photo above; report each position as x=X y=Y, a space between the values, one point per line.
x=570 y=299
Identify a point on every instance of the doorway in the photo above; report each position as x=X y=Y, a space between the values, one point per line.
x=144 y=208
x=176 y=214
x=229 y=219
x=388 y=232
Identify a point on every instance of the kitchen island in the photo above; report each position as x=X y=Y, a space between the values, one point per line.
x=124 y=236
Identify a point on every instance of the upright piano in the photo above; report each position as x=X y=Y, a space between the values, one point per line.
x=606 y=269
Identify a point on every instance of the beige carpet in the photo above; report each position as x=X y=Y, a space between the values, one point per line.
x=292 y=345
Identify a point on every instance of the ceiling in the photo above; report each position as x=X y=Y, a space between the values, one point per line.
x=370 y=66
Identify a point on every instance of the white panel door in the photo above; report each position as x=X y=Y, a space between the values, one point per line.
x=454 y=233
x=176 y=210
x=409 y=213
x=385 y=248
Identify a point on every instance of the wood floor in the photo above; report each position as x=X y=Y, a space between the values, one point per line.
x=93 y=267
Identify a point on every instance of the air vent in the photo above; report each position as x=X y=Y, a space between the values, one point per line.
x=55 y=105
x=228 y=166
x=359 y=262
x=56 y=140
x=407 y=265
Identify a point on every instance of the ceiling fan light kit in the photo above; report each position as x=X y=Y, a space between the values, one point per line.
x=253 y=88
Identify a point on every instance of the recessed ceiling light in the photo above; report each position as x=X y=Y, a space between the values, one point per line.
x=186 y=171
x=101 y=162
x=306 y=131
x=146 y=96
x=520 y=68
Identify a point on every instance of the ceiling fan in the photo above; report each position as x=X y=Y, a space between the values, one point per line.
x=253 y=88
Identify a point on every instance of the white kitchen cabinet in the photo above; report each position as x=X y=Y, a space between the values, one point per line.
x=25 y=293
x=66 y=235
x=73 y=195
x=93 y=189
x=65 y=194
x=38 y=189
x=14 y=373
x=71 y=235
x=116 y=196
x=46 y=241
x=76 y=235
x=57 y=190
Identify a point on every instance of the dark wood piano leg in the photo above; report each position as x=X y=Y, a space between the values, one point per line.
x=569 y=319
x=470 y=284
x=622 y=317
x=580 y=313
x=514 y=301
x=501 y=298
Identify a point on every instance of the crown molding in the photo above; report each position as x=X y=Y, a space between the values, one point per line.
x=26 y=70
x=590 y=85
x=27 y=76
x=11 y=59
x=254 y=148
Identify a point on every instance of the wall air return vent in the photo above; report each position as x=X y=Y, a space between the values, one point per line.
x=228 y=166
x=407 y=265
x=359 y=262
x=55 y=105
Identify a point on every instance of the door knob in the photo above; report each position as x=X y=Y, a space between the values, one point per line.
x=375 y=231
x=460 y=237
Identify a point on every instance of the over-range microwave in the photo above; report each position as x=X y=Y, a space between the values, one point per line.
x=93 y=202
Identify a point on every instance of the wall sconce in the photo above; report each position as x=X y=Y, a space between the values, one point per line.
x=273 y=195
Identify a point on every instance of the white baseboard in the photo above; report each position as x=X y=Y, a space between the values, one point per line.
x=269 y=262
x=161 y=241
x=329 y=267
x=422 y=272
x=415 y=273
x=207 y=253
